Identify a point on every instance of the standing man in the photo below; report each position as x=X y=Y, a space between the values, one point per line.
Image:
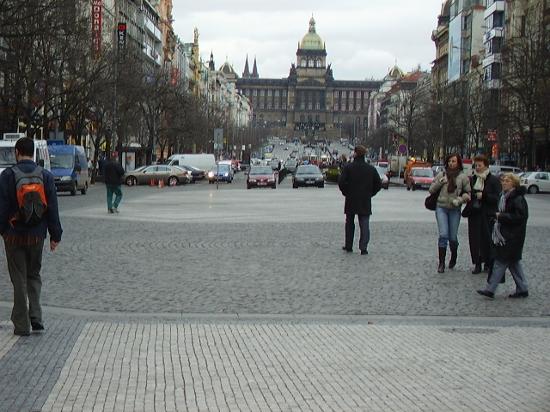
x=28 y=210
x=358 y=182
x=113 y=179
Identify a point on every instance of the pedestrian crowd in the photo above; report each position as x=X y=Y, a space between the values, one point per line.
x=496 y=210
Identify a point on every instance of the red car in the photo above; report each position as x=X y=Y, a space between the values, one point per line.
x=261 y=176
x=420 y=177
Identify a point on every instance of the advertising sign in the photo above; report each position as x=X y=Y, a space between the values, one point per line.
x=121 y=36
x=97 y=17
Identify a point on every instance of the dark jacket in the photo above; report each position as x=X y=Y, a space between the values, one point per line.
x=113 y=173
x=9 y=207
x=513 y=227
x=491 y=194
x=359 y=182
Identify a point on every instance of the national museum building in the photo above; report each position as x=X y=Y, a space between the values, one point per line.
x=309 y=98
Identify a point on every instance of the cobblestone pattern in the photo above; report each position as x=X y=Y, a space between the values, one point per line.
x=31 y=365
x=303 y=367
x=296 y=268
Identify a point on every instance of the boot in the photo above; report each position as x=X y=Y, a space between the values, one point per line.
x=454 y=250
x=442 y=253
x=477 y=269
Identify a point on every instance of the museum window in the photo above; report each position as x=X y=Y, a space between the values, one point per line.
x=255 y=92
x=269 y=92
x=310 y=106
x=284 y=106
x=303 y=105
x=268 y=106
x=284 y=93
x=303 y=63
x=317 y=106
x=262 y=92
x=276 y=93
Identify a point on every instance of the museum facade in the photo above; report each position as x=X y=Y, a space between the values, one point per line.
x=309 y=99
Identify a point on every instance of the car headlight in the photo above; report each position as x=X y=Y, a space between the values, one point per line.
x=252 y=180
x=210 y=174
x=66 y=178
x=226 y=174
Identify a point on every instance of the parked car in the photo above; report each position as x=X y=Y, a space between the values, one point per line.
x=261 y=176
x=420 y=177
x=308 y=175
x=536 y=182
x=382 y=172
x=222 y=172
x=170 y=175
x=499 y=170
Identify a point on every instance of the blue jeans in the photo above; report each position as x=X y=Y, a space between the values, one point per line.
x=447 y=225
x=516 y=269
x=364 y=230
x=116 y=190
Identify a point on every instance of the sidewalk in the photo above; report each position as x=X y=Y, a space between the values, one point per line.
x=179 y=363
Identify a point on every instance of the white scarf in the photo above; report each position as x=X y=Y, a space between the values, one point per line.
x=480 y=181
x=497 y=237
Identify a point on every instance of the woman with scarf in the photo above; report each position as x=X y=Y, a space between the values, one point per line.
x=486 y=190
x=454 y=190
x=508 y=237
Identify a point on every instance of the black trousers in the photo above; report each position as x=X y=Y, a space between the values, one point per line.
x=479 y=236
x=24 y=264
x=364 y=231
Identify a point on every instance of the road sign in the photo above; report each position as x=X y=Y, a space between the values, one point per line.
x=402 y=148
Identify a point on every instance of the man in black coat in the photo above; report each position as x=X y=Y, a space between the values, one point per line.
x=359 y=182
x=113 y=178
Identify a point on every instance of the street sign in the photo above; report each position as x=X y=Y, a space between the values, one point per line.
x=402 y=148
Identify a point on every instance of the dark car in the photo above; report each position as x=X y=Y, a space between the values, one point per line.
x=196 y=173
x=221 y=173
x=308 y=175
x=261 y=176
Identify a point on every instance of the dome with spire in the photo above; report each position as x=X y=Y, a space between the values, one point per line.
x=312 y=41
x=226 y=68
x=394 y=73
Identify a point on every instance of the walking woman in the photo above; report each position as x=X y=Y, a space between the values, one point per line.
x=508 y=237
x=486 y=190
x=454 y=190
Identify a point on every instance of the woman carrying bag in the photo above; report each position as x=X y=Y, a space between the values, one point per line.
x=454 y=191
x=486 y=190
x=508 y=237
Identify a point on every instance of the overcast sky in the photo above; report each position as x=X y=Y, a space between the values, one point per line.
x=364 y=38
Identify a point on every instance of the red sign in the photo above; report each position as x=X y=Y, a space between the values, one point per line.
x=121 y=35
x=97 y=23
x=492 y=135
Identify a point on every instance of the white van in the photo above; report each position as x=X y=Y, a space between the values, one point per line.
x=7 y=153
x=202 y=161
x=498 y=170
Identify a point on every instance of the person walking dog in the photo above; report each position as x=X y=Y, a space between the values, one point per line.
x=28 y=210
x=359 y=182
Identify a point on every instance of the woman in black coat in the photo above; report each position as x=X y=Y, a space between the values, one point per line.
x=486 y=190
x=508 y=237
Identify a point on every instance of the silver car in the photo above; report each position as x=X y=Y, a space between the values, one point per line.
x=169 y=175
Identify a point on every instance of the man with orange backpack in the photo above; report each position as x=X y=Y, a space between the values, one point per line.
x=28 y=210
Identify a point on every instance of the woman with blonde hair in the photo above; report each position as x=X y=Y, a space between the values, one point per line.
x=508 y=237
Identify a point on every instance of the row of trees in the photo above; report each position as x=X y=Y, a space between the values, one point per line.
x=52 y=85
x=459 y=117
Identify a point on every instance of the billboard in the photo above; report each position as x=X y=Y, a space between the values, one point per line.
x=97 y=17
x=455 y=47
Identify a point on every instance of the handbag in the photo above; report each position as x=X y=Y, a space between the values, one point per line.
x=472 y=207
x=430 y=202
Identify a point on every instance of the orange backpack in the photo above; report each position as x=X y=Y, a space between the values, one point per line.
x=31 y=197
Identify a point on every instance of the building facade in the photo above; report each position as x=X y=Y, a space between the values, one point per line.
x=309 y=99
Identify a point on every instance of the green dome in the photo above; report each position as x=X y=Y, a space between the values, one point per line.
x=312 y=41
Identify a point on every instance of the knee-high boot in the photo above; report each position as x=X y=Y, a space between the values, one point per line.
x=454 y=251
x=442 y=253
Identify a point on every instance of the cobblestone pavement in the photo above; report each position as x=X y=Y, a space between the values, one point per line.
x=201 y=299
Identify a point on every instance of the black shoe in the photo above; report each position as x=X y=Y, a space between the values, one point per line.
x=347 y=249
x=486 y=293
x=365 y=252
x=519 y=295
x=111 y=211
x=21 y=332
x=477 y=269
x=37 y=326
x=486 y=268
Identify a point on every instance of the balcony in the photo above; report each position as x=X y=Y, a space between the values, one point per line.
x=493 y=84
x=498 y=5
x=493 y=58
x=153 y=29
x=495 y=32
